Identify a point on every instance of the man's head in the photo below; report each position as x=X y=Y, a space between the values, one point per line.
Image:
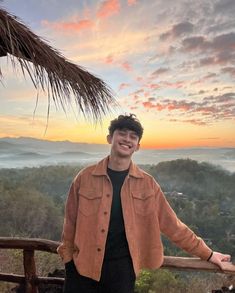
x=124 y=136
x=129 y=122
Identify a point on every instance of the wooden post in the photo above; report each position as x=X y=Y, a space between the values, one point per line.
x=30 y=272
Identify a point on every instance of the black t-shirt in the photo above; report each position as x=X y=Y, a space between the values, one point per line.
x=116 y=244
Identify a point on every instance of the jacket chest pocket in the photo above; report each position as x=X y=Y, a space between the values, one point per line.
x=89 y=201
x=143 y=201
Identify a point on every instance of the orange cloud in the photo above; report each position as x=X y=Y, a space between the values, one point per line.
x=131 y=2
x=70 y=26
x=150 y=105
x=109 y=59
x=108 y=8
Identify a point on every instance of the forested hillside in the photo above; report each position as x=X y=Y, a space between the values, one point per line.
x=203 y=196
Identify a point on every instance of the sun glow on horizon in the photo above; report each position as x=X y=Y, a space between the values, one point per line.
x=176 y=75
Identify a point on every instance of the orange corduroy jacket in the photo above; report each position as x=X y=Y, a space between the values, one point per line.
x=146 y=214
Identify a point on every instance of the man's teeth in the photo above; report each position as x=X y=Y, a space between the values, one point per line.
x=126 y=146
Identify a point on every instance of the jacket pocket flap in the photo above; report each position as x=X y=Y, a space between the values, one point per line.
x=89 y=193
x=142 y=194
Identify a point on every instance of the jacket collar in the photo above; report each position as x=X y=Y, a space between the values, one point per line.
x=101 y=169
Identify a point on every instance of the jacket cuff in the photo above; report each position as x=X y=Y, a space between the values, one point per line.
x=210 y=256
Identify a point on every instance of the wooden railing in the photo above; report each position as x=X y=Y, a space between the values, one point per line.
x=31 y=280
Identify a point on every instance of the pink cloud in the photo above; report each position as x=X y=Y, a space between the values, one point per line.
x=153 y=86
x=138 y=92
x=150 y=105
x=108 y=8
x=109 y=59
x=131 y=2
x=177 y=84
x=70 y=26
x=139 y=79
x=133 y=107
x=123 y=86
x=127 y=66
x=181 y=105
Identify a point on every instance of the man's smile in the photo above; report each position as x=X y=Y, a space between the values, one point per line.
x=125 y=145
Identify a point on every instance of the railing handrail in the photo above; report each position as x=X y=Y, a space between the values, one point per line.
x=28 y=245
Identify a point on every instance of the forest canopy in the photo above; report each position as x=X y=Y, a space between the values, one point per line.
x=32 y=200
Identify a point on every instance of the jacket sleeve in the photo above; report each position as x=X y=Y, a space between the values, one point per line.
x=66 y=248
x=176 y=231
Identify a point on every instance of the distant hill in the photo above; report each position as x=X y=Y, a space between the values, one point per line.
x=29 y=152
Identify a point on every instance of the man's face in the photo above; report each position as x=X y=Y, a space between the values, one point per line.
x=124 y=142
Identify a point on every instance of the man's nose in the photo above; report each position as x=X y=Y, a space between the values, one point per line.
x=127 y=137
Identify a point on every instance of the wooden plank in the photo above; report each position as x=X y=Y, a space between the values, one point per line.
x=12 y=278
x=191 y=263
x=31 y=243
x=49 y=280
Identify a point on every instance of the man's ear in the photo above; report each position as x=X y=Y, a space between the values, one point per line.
x=109 y=139
x=137 y=148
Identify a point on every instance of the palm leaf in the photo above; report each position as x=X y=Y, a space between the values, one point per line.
x=51 y=71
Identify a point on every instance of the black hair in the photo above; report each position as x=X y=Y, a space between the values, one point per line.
x=126 y=122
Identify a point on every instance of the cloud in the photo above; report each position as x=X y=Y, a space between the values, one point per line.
x=141 y=91
x=224 y=7
x=131 y=2
x=70 y=26
x=194 y=43
x=229 y=70
x=160 y=71
x=197 y=122
x=209 y=76
x=127 y=66
x=123 y=86
x=178 y=30
x=224 y=42
x=208 y=138
x=109 y=59
x=221 y=43
x=108 y=8
x=209 y=110
x=225 y=98
x=217 y=51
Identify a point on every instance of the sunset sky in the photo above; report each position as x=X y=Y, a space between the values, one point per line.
x=172 y=63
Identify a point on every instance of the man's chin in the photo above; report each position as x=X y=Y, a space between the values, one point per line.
x=123 y=154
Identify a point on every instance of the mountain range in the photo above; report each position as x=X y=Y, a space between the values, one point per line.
x=30 y=152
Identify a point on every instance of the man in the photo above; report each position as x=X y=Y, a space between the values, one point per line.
x=114 y=215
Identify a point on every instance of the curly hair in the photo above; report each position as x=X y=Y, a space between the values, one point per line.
x=126 y=122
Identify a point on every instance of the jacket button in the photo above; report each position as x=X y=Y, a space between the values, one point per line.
x=98 y=249
x=105 y=213
x=108 y=195
x=102 y=230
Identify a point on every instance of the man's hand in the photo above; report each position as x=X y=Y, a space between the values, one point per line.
x=218 y=258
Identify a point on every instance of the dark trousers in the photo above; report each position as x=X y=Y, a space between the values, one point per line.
x=117 y=276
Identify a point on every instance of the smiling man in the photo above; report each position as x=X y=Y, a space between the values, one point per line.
x=114 y=216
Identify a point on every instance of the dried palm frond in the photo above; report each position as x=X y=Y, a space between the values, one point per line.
x=51 y=71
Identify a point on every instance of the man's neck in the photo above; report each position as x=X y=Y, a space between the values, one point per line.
x=118 y=164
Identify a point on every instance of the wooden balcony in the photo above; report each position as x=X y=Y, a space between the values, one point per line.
x=32 y=280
